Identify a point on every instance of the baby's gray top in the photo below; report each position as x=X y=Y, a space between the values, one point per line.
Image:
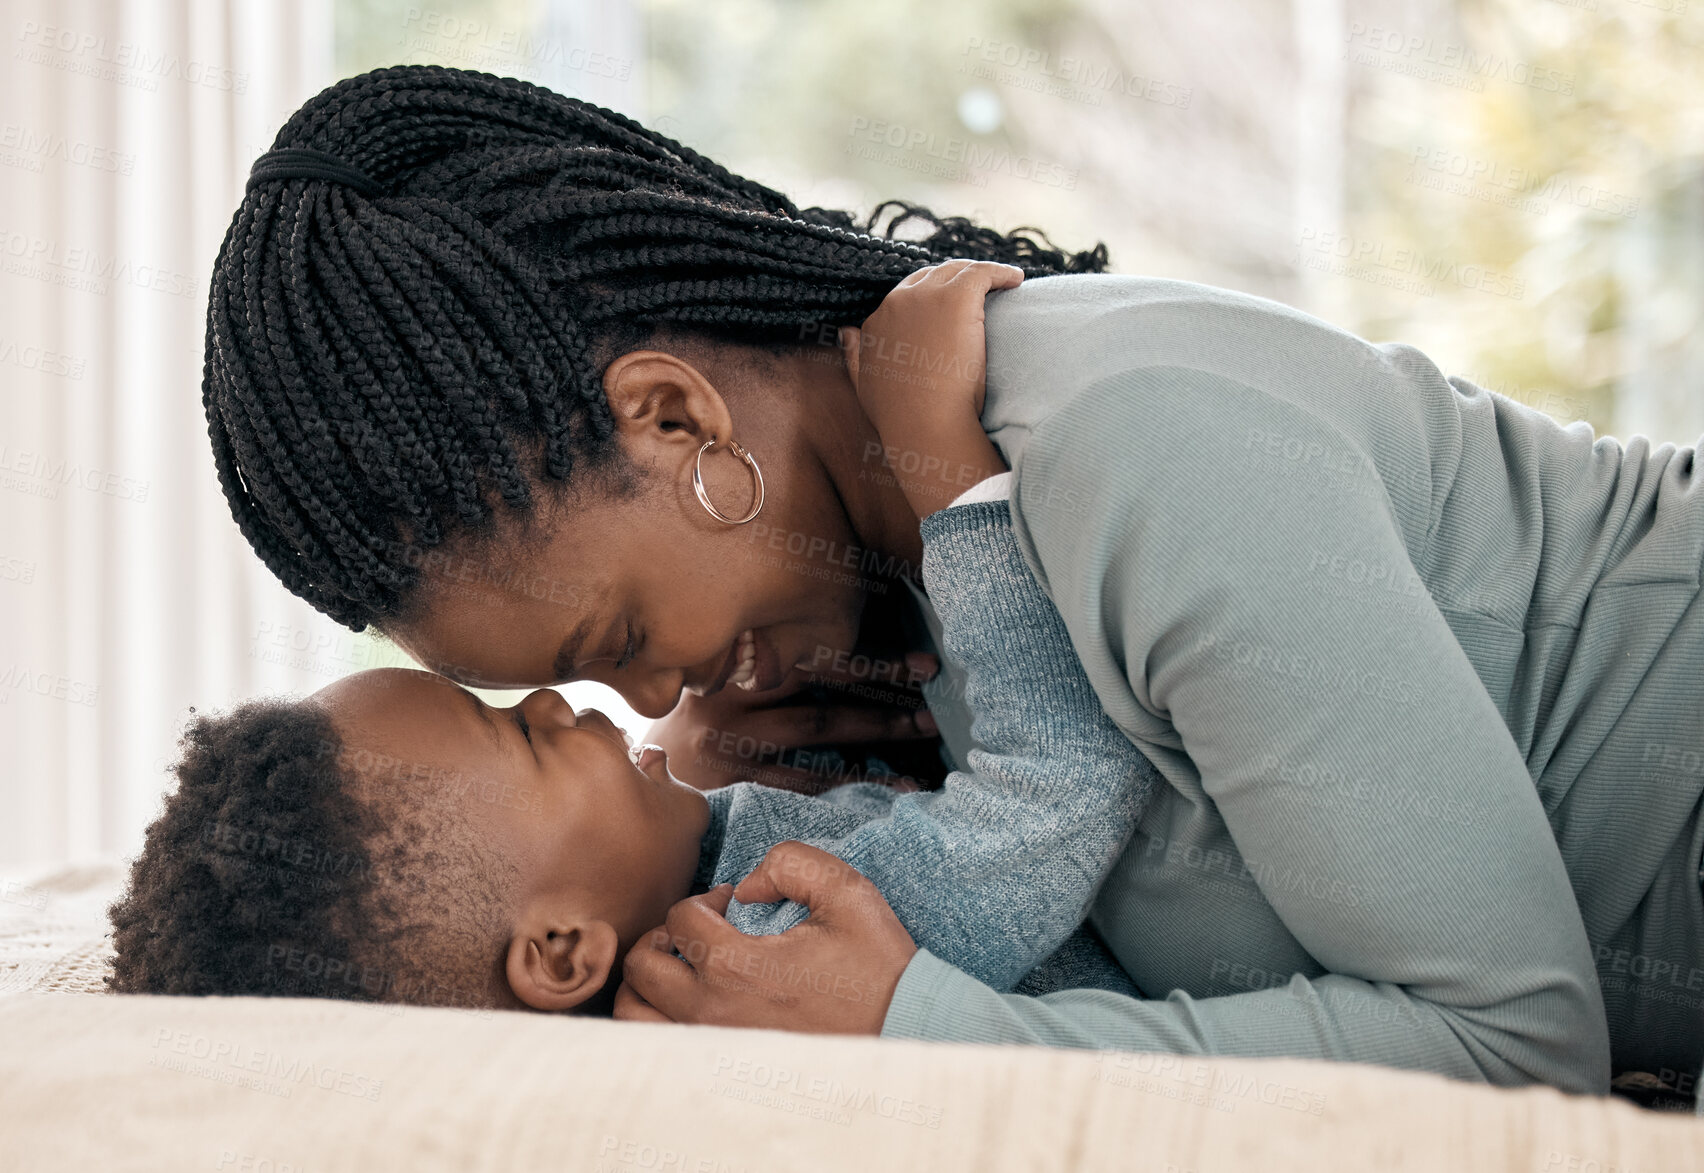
x=997 y=869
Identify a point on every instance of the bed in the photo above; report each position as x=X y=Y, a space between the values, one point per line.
x=91 y=1081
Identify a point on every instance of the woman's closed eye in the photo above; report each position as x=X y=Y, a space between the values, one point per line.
x=521 y=721
x=630 y=650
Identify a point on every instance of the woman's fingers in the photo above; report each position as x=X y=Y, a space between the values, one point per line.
x=659 y=979
x=700 y=918
x=903 y=673
x=733 y=736
x=773 y=748
x=670 y=985
x=767 y=732
x=836 y=972
x=630 y=1007
x=808 y=875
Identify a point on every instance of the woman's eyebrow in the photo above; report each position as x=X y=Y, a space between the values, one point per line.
x=569 y=652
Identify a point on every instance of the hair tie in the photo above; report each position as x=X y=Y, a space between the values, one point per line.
x=307 y=163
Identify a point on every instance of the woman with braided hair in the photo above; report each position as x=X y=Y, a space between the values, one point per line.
x=545 y=396
x=392 y=359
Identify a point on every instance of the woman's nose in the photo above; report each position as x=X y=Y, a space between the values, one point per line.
x=652 y=695
x=650 y=692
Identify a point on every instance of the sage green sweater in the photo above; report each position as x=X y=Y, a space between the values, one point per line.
x=1423 y=672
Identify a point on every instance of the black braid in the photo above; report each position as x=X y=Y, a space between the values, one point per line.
x=376 y=367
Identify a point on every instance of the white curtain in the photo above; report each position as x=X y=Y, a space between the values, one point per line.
x=126 y=133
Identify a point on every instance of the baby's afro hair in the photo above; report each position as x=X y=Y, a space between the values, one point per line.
x=269 y=873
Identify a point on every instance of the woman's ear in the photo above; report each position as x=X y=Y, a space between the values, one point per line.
x=558 y=964
x=657 y=398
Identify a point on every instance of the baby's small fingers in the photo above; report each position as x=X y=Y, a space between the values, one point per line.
x=851 y=342
x=915 y=276
x=986 y=275
x=938 y=272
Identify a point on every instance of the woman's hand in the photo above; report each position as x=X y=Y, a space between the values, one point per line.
x=919 y=365
x=865 y=700
x=777 y=738
x=833 y=974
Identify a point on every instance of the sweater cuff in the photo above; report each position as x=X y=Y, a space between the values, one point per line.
x=926 y=981
x=961 y=519
x=995 y=488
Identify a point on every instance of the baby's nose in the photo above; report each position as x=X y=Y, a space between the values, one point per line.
x=547 y=706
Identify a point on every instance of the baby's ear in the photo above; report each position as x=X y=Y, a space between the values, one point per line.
x=556 y=964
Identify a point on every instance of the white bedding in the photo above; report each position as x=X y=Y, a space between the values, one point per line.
x=253 y=1085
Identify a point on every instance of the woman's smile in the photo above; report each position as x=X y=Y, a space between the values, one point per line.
x=752 y=663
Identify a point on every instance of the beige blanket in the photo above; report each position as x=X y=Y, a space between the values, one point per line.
x=97 y=1082
x=250 y=1085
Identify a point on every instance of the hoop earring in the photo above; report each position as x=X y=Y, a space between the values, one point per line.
x=704 y=498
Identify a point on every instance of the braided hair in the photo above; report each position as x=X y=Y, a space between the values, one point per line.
x=382 y=372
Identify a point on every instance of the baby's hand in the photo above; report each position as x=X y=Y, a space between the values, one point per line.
x=919 y=366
